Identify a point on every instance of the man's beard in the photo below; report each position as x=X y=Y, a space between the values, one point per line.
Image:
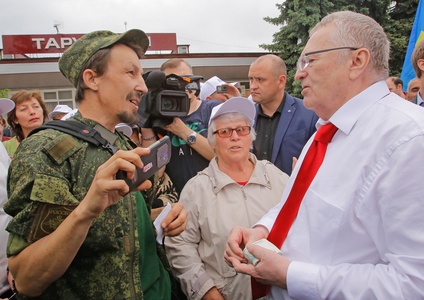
x=128 y=118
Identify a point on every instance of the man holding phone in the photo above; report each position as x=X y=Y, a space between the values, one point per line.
x=76 y=232
x=160 y=153
x=217 y=89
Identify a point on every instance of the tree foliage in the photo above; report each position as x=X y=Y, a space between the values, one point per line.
x=297 y=17
x=398 y=29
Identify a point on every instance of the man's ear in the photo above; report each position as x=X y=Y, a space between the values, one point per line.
x=282 y=80
x=420 y=64
x=90 y=79
x=359 y=62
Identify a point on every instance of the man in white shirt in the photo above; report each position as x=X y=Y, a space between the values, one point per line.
x=358 y=231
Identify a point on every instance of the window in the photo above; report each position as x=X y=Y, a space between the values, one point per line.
x=55 y=97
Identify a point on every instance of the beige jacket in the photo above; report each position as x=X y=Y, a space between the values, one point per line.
x=216 y=204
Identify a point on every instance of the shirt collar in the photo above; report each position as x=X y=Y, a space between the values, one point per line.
x=419 y=98
x=347 y=115
x=279 y=109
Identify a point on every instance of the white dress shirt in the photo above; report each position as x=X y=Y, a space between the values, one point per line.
x=4 y=218
x=359 y=233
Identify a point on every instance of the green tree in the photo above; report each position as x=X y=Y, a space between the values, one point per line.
x=297 y=17
x=398 y=29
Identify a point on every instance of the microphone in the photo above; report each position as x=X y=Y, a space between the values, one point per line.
x=155 y=79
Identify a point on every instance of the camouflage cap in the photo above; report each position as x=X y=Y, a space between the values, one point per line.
x=74 y=59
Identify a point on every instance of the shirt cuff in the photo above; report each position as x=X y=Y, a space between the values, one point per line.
x=203 y=284
x=302 y=280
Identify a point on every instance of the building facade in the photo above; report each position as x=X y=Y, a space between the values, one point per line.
x=40 y=71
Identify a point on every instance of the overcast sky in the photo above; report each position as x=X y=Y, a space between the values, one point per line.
x=207 y=26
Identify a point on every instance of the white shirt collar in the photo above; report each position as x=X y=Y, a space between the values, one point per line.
x=419 y=98
x=347 y=115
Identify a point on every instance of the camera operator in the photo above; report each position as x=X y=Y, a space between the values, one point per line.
x=191 y=151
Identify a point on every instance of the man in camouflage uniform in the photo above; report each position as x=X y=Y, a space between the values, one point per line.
x=73 y=234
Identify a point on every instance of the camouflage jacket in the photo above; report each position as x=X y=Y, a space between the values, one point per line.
x=49 y=175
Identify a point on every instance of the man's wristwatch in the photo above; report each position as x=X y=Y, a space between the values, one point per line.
x=191 y=139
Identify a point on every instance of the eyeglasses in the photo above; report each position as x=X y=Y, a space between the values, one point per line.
x=303 y=61
x=228 y=132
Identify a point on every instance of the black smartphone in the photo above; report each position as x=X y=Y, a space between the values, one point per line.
x=222 y=89
x=160 y=154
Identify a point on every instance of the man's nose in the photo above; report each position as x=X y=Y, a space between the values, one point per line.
x=141 y=86
x=300 y=75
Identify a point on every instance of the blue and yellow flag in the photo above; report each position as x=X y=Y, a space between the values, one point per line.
x=417 y=35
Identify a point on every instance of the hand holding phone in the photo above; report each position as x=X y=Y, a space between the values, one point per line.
x=159 y=156
x=221 y=89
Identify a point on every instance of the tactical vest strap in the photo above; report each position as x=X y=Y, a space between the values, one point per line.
x=78 y=130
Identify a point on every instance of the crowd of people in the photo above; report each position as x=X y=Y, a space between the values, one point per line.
x=332 y=180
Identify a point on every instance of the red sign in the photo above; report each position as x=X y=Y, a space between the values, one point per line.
x=162 y=41
x=39 y=43
x=58 y=43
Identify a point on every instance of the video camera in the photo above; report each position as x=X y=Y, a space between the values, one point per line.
x=166 y=98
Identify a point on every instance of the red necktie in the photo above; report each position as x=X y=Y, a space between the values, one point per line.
x=310 y=165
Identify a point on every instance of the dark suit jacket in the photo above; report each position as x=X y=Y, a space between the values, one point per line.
x=296 y=126
x=414 y=100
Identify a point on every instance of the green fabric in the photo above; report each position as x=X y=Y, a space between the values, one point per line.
x=39 y=184
x=11 y=146
x=15 y=244
x=73 y=60
x=155 y=279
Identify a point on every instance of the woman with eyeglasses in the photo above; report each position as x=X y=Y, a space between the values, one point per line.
x=235 y=189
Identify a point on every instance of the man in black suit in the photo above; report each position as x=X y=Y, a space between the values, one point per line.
x=413 y=88
x=282 y=123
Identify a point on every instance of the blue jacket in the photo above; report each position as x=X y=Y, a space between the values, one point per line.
x=296 y=126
